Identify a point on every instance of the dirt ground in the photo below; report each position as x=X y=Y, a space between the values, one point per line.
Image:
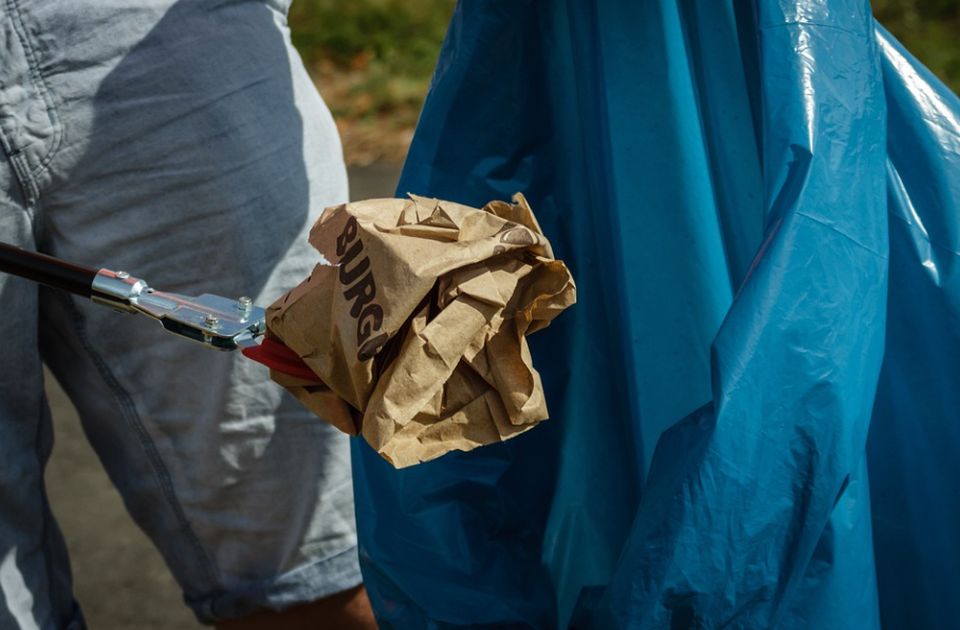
x=119 y=579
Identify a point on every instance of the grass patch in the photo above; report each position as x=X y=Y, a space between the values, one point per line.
x=372 y=60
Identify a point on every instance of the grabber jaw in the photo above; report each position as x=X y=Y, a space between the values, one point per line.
x=215 y=321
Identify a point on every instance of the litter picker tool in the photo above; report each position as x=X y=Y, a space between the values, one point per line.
x=215 y=321
x=412 y=332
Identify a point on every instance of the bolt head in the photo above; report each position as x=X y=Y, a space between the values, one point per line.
x=123 y=275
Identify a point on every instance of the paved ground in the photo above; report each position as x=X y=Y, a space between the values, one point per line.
x=120 y=580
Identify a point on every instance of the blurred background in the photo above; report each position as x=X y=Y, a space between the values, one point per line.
x=372 y=61
x=930 y=29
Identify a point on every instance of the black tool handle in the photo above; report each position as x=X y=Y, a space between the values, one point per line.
x=47 y=270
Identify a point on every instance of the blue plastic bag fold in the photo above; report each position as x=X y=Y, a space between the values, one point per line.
x=759 y=204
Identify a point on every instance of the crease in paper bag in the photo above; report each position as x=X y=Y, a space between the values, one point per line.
x=449 y=293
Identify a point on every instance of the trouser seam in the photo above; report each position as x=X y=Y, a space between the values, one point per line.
x=21 y=169
x=129 y=410
x=45 y=423
x=40 y=83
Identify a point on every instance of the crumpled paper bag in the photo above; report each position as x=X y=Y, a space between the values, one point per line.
x=416 y=327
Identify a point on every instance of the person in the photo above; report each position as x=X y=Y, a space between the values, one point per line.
x=183 y=141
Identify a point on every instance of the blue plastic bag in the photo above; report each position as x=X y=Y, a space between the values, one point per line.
x=760 y=205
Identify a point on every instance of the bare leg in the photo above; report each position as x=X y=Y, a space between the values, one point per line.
x=348 y=610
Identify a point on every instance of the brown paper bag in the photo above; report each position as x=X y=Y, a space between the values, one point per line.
x=417 y=325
